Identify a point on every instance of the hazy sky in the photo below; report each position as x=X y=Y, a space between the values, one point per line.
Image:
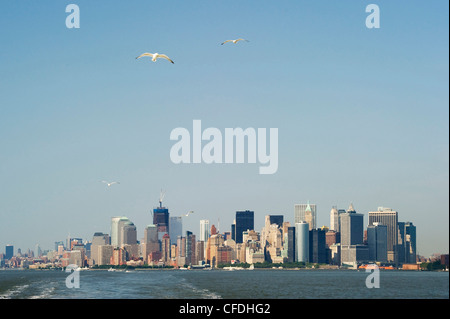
x=362 y=113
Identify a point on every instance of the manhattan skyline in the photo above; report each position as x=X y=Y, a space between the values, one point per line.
x=362 y=114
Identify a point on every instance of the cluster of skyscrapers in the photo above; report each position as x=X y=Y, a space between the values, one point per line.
x=344 y=242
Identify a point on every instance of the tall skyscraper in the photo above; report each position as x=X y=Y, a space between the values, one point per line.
x=105 y=253
x=334 y=219
x=302 y=242
x=190 y=248
x=352 y=228
x=289 y=244
x=204 y=235
x=244 y=221
x=317 y=246
x=151 y=235
x=377 y=242
x=150 y=242
x=410 y=243
x=306 y=213
x=99 y=239
x=401 y=247
x=116 y=229
x=233 y=230
x=388 y=217
x=181 y=251
x=165 y=249
x=161 y=220
x=204 y=230
x=9 y=251
x=175 y=228
x=128 y=234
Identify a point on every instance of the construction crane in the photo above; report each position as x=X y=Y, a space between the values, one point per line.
x=161 y=197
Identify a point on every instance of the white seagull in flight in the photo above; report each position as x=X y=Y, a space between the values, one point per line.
x=110 y=183
x=234 y=41
x=155 y=56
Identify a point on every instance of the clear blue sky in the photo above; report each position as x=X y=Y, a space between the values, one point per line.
x=362 y=113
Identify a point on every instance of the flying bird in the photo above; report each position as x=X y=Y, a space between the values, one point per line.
x=110 y=183
x=189 y=212
x=234 y=41
x=155 y=56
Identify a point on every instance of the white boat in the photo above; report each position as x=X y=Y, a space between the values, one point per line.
x=232 y=268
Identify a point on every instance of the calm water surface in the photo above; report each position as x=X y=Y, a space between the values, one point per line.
x=238 y=284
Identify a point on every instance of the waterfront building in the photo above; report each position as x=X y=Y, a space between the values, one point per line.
x=132 y=252
x=214 y=242
x=165 y=249
x=406 y=247
x=190 y=249
x=352 y=227
x=200 y=249
x=335 y=254
x=401 y=246
x=410 y=243
x=224 y=255
x=317 y=246
x=377 y=242
x=388 y=217
x=352 y=255
x=254 y=256
x=288 y=252
x=173 y=252
x=76 y=257
x=98 y=239
x=105 y=253
x=150 y=242
x=154 y=257
x=118 y=257
x=181 y=251
x=302 y=242
x=240 y=252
